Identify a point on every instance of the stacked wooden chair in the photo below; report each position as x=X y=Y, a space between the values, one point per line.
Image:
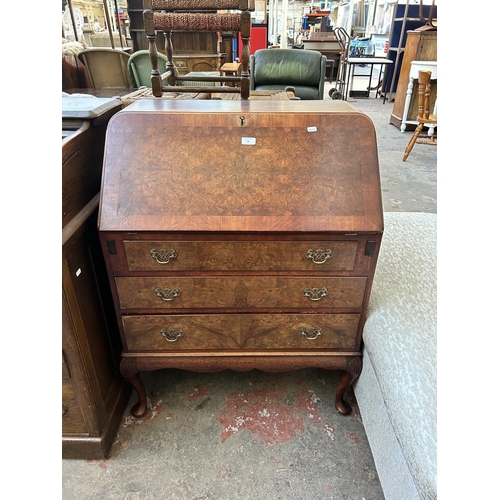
x=425 y=117
x=167 y=16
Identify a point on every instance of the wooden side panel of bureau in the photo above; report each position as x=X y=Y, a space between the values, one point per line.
x=241 y=235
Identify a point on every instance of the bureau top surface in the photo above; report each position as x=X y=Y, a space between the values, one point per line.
x=215 y=165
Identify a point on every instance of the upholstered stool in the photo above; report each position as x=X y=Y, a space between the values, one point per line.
x=396 y=391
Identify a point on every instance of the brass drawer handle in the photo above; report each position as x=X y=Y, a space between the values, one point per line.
x=167 y=293
x=319 y=256
x=311 y=333
x=172 y=334
x=315 y=293
x=163 y=256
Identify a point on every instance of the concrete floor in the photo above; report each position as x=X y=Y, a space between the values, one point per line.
x=255 y=435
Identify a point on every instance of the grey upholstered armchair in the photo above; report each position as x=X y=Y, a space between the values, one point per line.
x=275 y=69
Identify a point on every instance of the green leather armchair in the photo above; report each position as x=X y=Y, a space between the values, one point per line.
x=275 y=69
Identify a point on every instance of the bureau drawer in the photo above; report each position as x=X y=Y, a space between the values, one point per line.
x=240 y=292
x=240 y=255
x=241 y=332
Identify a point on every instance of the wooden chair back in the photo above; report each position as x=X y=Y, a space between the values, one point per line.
x=167 y=16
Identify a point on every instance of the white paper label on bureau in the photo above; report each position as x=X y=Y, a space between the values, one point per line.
x=312 y=129
x=248 y=141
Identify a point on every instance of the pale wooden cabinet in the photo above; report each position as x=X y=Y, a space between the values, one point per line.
x=420 y=46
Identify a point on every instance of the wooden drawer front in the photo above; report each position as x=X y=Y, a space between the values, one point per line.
x=241 y=256
x=72 y=417
x=240 y=332
x=263 y=292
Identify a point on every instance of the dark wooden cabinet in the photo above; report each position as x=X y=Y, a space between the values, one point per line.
x=136 y=25
x=241 y=235
x=94 y=394
x=187 y=63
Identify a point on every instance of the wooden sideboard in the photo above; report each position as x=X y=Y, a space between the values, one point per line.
x=240 y=235
x=420 y=46
x=94 y=394
x=329 y=46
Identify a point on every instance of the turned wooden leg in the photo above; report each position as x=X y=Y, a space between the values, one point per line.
x=413 y=140
x=128 y=369
x=351 y=373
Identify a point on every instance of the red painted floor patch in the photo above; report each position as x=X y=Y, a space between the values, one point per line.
x=264 y=413
x=354 y=437
x=198 y=392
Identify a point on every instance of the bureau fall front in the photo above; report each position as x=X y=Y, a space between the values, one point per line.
x=240 y=235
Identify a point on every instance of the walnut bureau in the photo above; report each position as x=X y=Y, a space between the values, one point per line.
x=240 y=235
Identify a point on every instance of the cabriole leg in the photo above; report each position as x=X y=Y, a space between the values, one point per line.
x=128 y=369
x=351 y=373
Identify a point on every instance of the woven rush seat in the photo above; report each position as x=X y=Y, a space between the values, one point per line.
x=197 y=22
